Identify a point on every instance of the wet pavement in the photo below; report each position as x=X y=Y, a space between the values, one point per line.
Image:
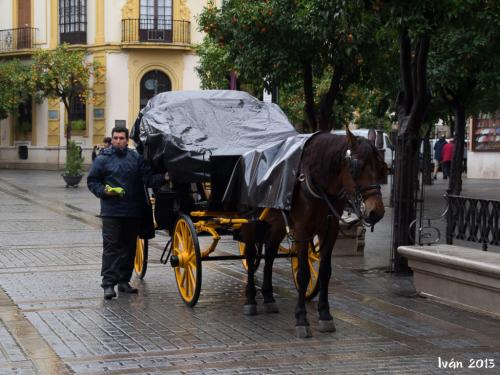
x=53 y=319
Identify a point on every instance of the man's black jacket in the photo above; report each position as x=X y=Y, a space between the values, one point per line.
x=128 y=170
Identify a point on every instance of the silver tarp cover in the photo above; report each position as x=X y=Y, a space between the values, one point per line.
x=180 y=130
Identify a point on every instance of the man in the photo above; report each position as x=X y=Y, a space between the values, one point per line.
x=117 y=177
x=438 y=148
x=447 y=157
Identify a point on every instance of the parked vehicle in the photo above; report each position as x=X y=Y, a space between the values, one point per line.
x=388 y=147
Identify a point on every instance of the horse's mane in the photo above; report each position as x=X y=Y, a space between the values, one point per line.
x=324 y=154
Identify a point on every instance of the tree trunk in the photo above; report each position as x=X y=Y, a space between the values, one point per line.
x=309 y=96
x=455 y=182
x=68 y=123
x=426 y=159
x=412 y=103
x=328 y=100
x=406 y=183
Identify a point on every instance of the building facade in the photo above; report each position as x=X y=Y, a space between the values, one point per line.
x=146 y=47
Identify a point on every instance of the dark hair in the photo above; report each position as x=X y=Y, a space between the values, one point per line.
x=120 y=129
x=106 y=140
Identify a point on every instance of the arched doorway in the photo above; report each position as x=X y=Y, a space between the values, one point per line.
x=152 y=83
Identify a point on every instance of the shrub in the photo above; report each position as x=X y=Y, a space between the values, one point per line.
x=74 y=160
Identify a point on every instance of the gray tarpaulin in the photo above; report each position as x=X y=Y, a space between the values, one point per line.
x=181 y=130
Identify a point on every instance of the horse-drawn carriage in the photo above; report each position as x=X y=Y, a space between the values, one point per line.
x=238 y=167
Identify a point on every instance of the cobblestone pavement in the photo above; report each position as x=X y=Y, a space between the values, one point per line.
x=53 y=319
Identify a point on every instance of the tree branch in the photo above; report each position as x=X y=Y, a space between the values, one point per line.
x=405 y=70
x=327 y=101
x=309 y=95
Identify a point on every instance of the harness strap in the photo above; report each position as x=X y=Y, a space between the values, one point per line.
x=306 y=186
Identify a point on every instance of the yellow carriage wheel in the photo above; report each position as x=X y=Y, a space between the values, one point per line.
x=186 y=248
x=313 y=263
x=243 y=252
x=141 y=258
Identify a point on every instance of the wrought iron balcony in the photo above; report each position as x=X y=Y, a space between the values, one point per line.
x=156 y=30
x=17 y=39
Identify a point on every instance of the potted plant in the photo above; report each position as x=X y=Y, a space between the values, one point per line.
x=73 y=170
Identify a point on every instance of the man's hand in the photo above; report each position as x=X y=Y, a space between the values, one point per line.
x=113 y=192
x=166 y=177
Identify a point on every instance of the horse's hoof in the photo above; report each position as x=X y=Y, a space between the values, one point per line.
x=271 y=308
x=327 y=326
x=303 y=332
x=250 y=309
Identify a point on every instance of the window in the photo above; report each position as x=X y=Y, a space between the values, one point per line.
x=77 y=115
x=24 y=119
x=73 y=21
x=155 y=23
x=22 y=34
x=152 y=83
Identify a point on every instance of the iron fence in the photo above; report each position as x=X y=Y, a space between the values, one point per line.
x=156 y=29
x=473 y=219
x=17 y=39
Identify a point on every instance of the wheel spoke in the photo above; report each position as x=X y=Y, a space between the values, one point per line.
x=192 y=278
x=314 y=256
x=188 y=282
x=183 y=277
x=313 y=271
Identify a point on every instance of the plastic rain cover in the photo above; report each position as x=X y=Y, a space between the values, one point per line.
x=180 y=130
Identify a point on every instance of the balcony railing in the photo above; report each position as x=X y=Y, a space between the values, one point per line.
x=17 y=39
x=157 y=30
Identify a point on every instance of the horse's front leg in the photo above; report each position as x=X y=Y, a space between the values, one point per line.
x=326 y=323
x=272 y=247
x=302 y=329
x=250 y=307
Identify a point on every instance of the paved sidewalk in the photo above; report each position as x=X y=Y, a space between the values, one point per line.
x=53 y=319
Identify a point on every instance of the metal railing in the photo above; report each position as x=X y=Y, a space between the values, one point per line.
x=158 y=30
x=472 y=219
x=17 y=39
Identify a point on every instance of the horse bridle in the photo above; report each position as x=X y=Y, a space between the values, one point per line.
x=355 y=169
x=362 y=192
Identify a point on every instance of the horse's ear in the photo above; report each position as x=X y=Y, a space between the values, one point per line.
x=351 y=138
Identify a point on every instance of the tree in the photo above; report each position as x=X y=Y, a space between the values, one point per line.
x=279 y=42
x=65 y=74
x=464 y=70
x=412 y=24
x=215 y=66
x=15 y=86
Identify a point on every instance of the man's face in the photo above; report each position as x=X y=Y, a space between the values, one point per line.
x=119 y=140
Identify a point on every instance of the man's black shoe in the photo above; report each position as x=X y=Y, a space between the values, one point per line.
x=126 y=288
x=109 y=292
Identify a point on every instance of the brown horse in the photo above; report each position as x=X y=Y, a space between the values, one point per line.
x=333 y=169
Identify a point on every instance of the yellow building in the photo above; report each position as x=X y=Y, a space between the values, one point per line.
x=146 y=47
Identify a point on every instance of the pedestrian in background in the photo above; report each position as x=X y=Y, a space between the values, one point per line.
x=438 y=148
x=118 y=176
x=97 y=148
x=447 y=157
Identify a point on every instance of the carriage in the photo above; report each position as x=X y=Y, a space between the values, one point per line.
x=230 y=158
x=238 y=167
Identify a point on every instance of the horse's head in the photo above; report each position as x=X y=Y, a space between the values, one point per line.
x=364 y=168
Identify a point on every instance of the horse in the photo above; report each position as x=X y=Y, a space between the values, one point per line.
x=333 y=169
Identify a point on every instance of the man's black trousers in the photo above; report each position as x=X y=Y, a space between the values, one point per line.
x=119 y=236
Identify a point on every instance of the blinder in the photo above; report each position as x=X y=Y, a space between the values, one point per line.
x=355 y=169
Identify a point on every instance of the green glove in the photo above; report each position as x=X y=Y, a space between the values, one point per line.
x=118 y=190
